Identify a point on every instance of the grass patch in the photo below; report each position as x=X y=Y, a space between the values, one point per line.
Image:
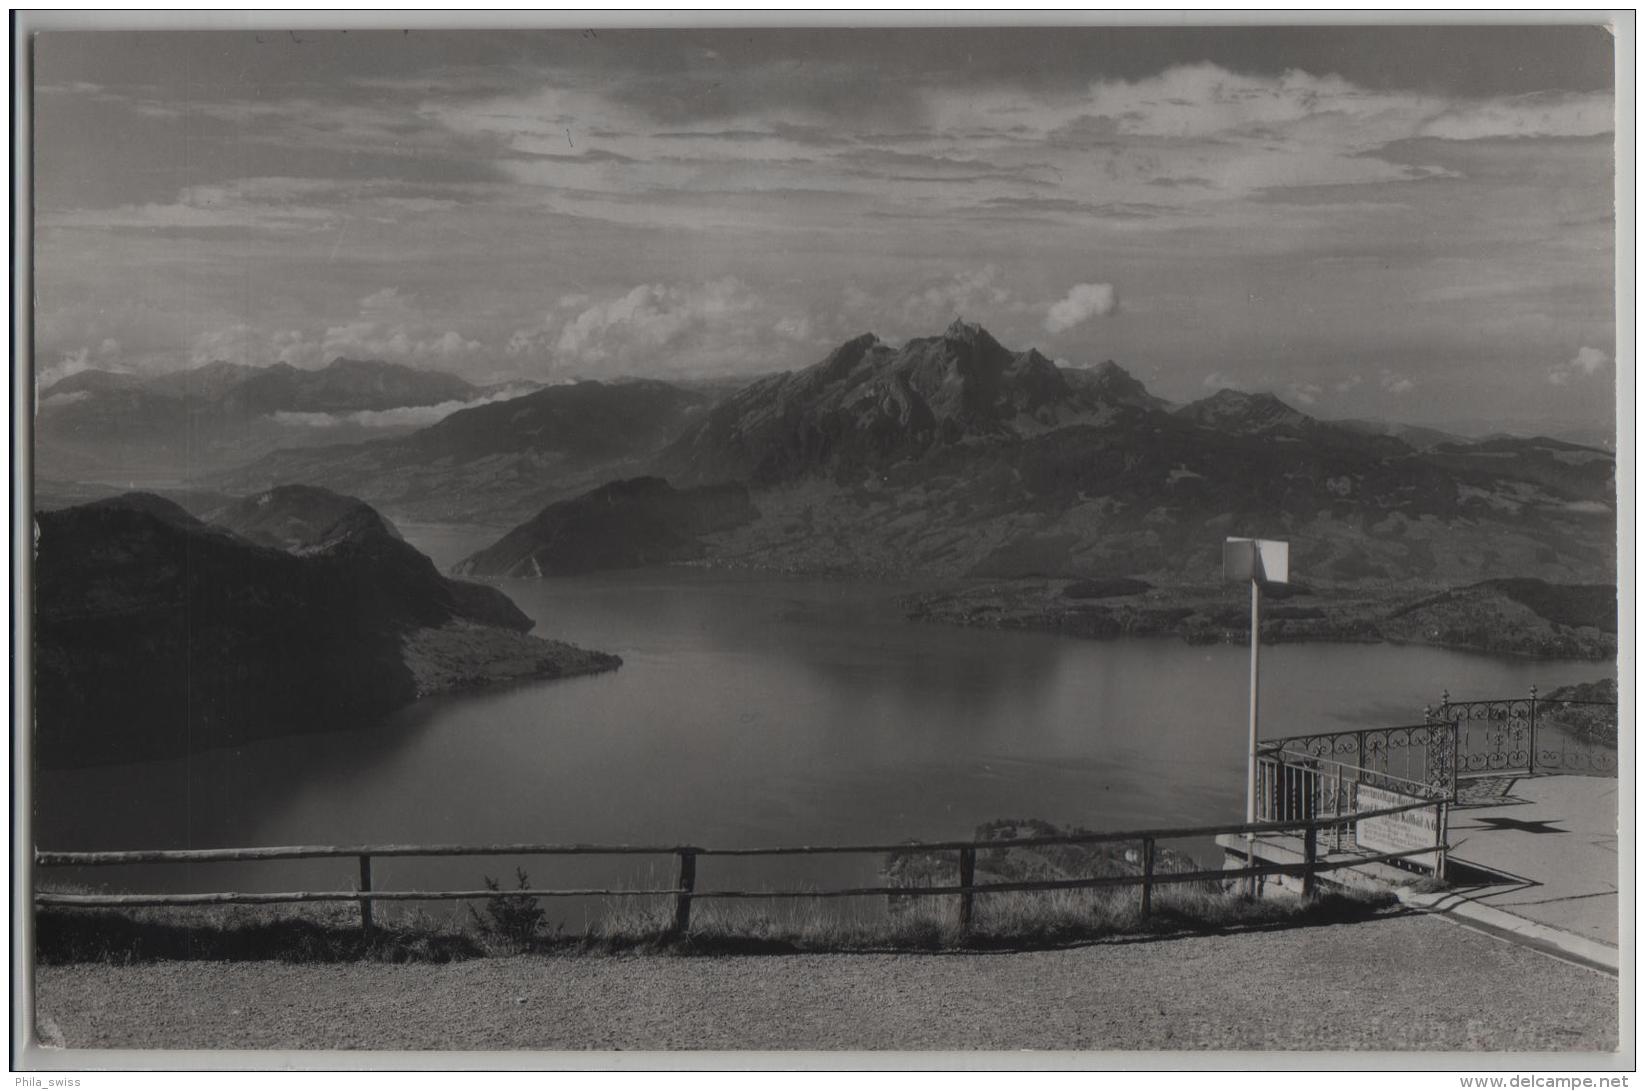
x=518 y=923
x=236 y=933
x=1007 y=921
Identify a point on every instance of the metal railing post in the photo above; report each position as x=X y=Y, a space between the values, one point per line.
x=968 y=878
x=1336 y=825
x=1310 y=857
x=1530 y=742
x=682 y=898
x=1147 y=876
x=365 y=887
x=1441 y=815
x=1456 y=759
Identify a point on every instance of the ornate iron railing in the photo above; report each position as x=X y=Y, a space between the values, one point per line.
x=1529 y=735
x=1301 y=787
x=1415 y=759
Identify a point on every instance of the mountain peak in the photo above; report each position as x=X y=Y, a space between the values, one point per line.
x=970 y=333
x=1242 y=411
x=868 y=405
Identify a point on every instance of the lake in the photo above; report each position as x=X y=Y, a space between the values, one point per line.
x=754 y=710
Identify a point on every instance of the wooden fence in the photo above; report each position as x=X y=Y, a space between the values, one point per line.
x=685 y=891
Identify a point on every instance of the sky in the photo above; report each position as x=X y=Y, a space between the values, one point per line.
x=1414 y=223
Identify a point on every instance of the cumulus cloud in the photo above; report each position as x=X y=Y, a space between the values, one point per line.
x=1397 y=384
x=1082 y=303
x=976 y=294
x=1587 y=361
x=704 y=327
x=242 y=343
x=388 y=326
x=651 y=318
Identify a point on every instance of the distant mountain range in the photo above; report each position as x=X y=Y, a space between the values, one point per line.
x=953 y=456
x=297 y=610
x=498 y=463
x=181 y=423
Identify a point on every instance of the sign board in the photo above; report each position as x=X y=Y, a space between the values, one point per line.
x=1256 y=559
x=1401 y=832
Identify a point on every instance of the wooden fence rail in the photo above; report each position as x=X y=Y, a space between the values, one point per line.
x=684 y=892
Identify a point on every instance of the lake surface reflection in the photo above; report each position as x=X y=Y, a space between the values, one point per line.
x=752 y=711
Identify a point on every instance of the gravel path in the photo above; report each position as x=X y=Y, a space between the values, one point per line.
x=1404 y=982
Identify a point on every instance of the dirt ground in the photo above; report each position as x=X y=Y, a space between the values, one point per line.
x=1404 y=982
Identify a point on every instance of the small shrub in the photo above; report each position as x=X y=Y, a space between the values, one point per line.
x=515 y=918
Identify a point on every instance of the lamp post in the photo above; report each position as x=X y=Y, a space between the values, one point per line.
x=1259 y=561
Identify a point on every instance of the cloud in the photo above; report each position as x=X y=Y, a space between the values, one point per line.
x=1219 y=380
x=1186 y=137
x=407 y=416
x=1547 y=113
x=1304 y=393
x=104 y=356
x=387 y=326
x=1589 y=360
x=1397 y=384
x=651 y=318
x=570 y=214
x=979 y=295
x=390 y=327
x=1586 y=362
x=1082 y=303
x=714 y=326
x=794 y=328
x=243 y=343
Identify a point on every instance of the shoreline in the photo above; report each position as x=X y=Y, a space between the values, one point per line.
x=1483 y=618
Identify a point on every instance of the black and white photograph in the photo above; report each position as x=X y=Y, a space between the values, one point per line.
x=1071 y=540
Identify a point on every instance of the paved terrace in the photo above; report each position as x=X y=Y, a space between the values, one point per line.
x=1544 y=849
x=1532 y=859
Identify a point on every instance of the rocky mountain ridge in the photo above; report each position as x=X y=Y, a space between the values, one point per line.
x=158 y=634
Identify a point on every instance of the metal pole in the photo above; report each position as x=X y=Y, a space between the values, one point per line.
x=1530 y=745
x=1251 y=749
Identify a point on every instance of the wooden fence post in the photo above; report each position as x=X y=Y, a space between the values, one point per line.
x=1310 y=857
x=687 y=883
x=365 y=886
x=968 y=878
x=1147 y=876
